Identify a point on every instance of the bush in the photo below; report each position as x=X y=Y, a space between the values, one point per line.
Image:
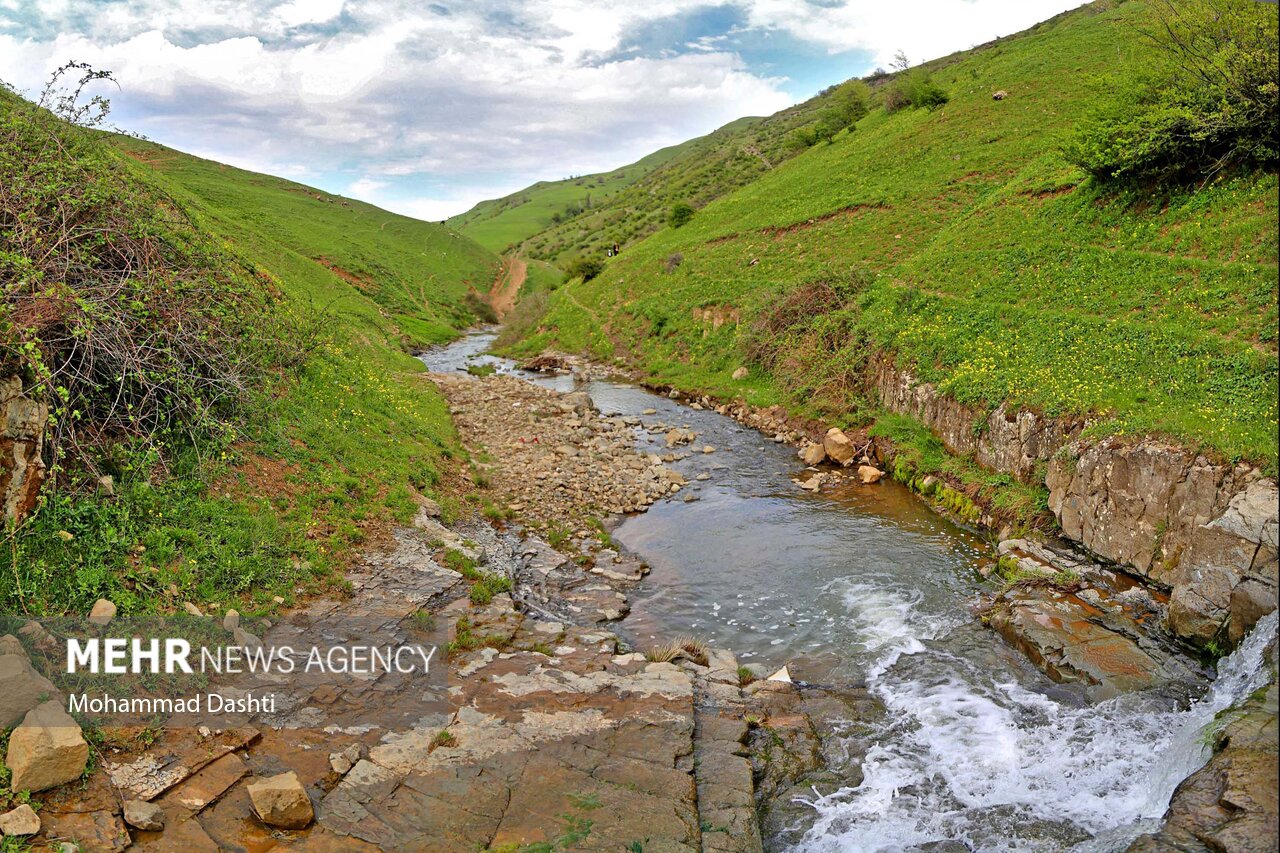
x=915 y=89
x=585 y=268
x=115 y=308
x=1210 y=105
x=680 y=214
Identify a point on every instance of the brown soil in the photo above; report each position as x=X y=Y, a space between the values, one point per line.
x=502 y=296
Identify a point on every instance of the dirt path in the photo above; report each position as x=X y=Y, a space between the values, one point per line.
x=502 y=296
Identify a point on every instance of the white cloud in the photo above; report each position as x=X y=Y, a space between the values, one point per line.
x=446 y=99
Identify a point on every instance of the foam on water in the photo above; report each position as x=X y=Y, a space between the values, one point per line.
x=971 y=757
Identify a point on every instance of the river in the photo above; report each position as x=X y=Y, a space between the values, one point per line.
x=867 y=585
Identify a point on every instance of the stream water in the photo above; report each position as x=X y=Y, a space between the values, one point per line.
x=867 y=585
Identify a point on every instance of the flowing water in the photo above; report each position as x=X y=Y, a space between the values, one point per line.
x=865 y=585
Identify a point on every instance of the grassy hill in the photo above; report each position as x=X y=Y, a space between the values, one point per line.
x=961 y=241
x=550 y=221
x=503 y=223
x=312 y=300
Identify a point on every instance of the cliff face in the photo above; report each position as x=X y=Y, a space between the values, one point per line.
x=1203 y=529
x=22 y=423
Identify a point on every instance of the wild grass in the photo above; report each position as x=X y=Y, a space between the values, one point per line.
x=991 y=266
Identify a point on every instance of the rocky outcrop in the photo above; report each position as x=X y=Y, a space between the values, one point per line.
x=282 y=801
x=1230 y=804
x=1206 y=530
x=24 y=688
x=1009 y=439
x=22 y=470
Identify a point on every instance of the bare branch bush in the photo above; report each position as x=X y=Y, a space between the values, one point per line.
x=114 y=307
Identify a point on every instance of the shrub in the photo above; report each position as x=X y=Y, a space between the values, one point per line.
x=915 y=89
x=1210 y=105
x=680 y=214
x=585 y=268
x=115 y=308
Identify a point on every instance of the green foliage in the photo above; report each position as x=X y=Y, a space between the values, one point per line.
x=681 y=213
x=915 y=89
x=1209 y=102
x=846 y=105
x=585 y=268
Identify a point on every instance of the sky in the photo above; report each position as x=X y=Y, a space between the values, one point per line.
x=425 y=108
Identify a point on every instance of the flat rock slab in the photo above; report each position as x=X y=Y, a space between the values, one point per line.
x=208 y=784
x=93 y=832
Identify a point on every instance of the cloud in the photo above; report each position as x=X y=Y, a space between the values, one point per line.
x=424 y=106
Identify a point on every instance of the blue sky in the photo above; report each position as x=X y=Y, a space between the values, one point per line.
x=426 y=108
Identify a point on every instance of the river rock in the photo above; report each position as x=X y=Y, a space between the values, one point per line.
x=1060 y=634
x=20 y=821
x=838 y=446
x=102 y=613
x=23 y=686
x=813 y=454
x=281 y=801
x=47 y=750
x=868 y=474
x=143 y=815
x=679 y=436
x=580 y=401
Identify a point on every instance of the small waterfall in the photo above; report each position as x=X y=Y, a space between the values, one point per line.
x=972 y=758
x=1239 y=674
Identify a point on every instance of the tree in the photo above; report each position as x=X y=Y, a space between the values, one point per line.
x=681 y=213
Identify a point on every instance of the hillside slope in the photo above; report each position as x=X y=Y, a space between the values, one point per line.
x=960 y=242
x=329 y=444
x=623 y=211
x=503 y=223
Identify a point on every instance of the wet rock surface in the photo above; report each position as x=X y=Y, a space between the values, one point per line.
x=1082 y=622
x=1229 y=805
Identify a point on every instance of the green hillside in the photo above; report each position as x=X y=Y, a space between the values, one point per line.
x=624 y=210
x=304 y=302
x=961 y=241
x=503 y=223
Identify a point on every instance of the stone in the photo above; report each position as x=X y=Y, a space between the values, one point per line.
x=838 y=446
x=208 y=783
x=47 y=750
x=22 y=468
x=21 y=821
x=102 y=613
x=246 y=640
x=231 y=620
x=783 y=675
x=813 y=454
x=143 y=815
x=107 y=484
x=741 y=373
x=868 y=474
x=580 y=401
x=999 y=95
x=24 y=688
x=281 y=801
x=100 y=831
x=192 y=609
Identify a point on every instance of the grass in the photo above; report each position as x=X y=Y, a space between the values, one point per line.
x=330 y=452
x=983 y=260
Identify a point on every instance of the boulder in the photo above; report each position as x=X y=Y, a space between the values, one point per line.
x=868 y=474
x=47 y=750
x=838 y=446
x=143 y=815
x=102 y=613
x=21 y=821
x=24 y=688
x=813 y=454
x=231 y=620
x=281 y=801
x=580 y=401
